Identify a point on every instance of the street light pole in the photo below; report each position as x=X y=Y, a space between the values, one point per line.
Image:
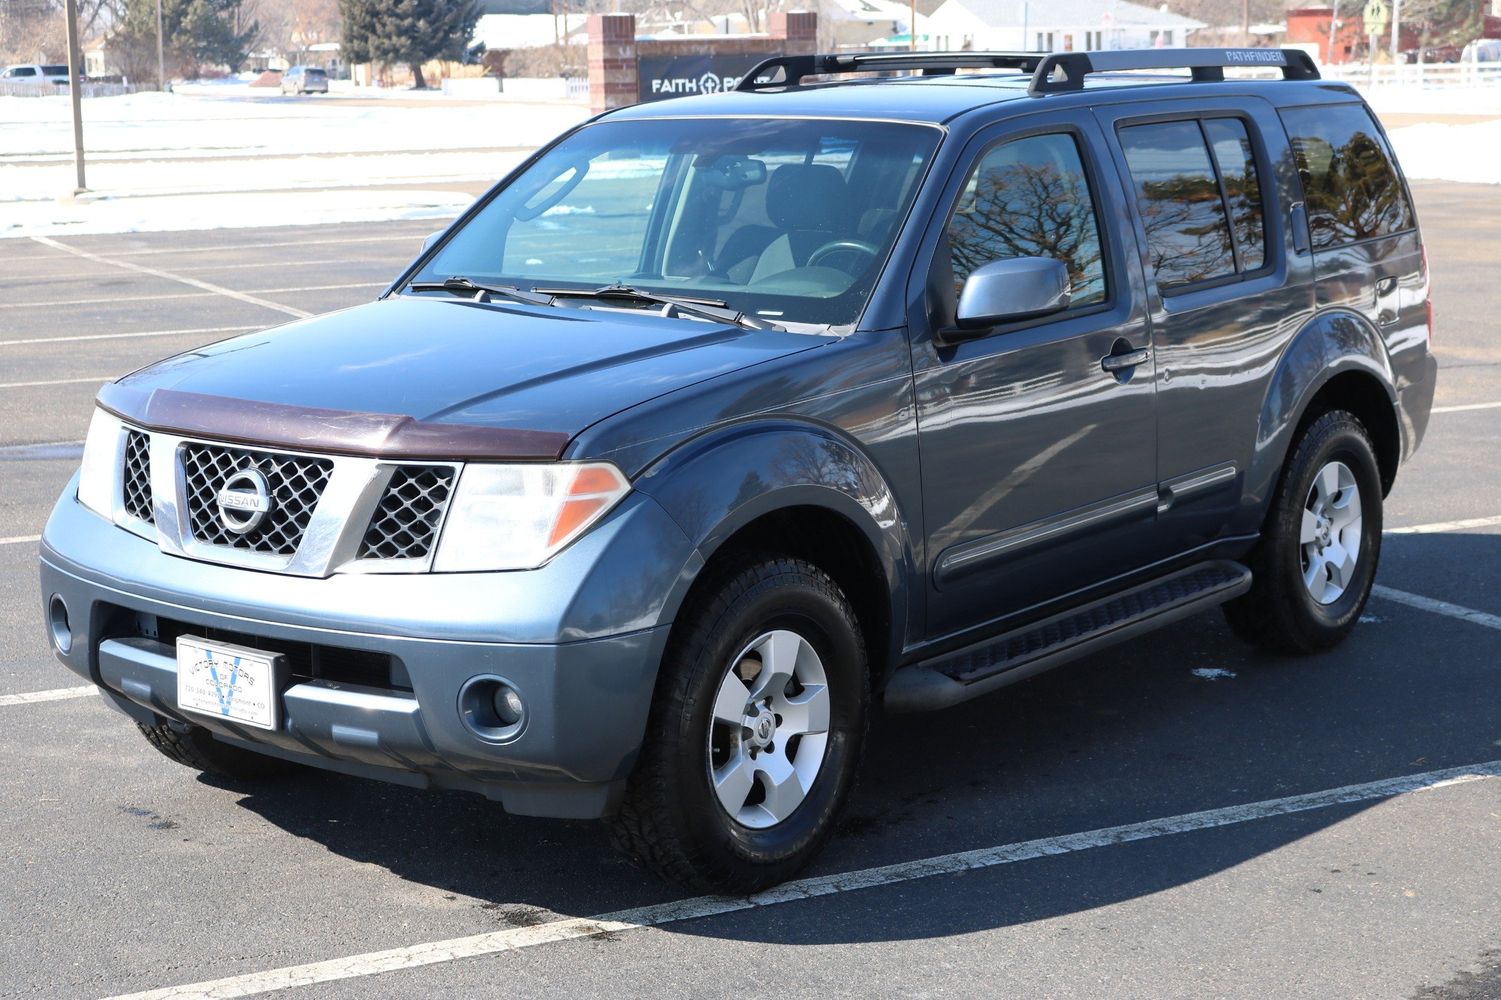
x=75 y=91
x=161 y=62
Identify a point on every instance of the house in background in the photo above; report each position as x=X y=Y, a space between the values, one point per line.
x=1054 y=26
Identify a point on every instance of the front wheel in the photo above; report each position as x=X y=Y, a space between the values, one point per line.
x=756 y=731
x=1313 y=569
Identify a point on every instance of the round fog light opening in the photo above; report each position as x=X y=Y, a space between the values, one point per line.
x=57 y=620
x=492 y=708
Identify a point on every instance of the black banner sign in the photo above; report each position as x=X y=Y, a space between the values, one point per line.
x=662 y=77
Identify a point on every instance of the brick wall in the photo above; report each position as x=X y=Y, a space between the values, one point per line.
x=614 y=49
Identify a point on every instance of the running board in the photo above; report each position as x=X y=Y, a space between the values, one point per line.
x=985 y=666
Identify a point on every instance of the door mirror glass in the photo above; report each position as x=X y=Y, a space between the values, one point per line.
x=1017 y=288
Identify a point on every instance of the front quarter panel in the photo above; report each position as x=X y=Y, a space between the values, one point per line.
x=722 y=481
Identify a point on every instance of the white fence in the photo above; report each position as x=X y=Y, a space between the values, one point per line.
x=10 y=88
x=547 y=88
x=1428 y=76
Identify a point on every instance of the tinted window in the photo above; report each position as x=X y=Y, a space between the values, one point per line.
x=55 y=70
x=23 y=71
x=1178 y=196
x=1030 y=198
x=1237 y=166
x=1349 y=186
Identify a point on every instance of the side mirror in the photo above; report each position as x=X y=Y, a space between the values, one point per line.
x=432 y=238
x=1004 y=291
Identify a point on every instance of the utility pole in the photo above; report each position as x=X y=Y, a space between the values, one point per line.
x=161 y=62
x=1245 y=22
x=1397 y=30
x=912 y=28
x=75 y=91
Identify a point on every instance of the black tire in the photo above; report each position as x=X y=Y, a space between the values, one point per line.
x=671 y=820
x=1279 y=613
x=195 y=747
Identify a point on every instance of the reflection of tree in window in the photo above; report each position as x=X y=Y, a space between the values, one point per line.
x=1179 y=201
x=1029 y=198
x=1232 y=152
x=1349 y=186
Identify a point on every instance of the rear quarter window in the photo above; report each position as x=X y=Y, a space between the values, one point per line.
x=1350 y=186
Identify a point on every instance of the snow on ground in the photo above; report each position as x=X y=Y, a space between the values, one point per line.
x=224 y=157
x=1436 y=152
x=228 y=155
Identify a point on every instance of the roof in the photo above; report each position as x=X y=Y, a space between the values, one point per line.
x=1079 y=13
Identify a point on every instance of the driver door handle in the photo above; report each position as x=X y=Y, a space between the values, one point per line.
x=1120 y=362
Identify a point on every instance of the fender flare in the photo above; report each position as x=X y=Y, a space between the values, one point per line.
x=717 y=483
x=1333 y=343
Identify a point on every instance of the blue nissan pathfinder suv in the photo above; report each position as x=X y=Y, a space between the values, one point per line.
x=722 y=422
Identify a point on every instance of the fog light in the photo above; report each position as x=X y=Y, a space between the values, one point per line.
x=57 y=619
x=508 y=705
x=492 y=708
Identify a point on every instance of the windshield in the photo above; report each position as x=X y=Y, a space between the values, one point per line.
x=784 y=220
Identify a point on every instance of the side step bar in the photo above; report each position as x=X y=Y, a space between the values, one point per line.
x=993 y=663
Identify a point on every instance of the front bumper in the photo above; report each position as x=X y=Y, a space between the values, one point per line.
x=587 y=697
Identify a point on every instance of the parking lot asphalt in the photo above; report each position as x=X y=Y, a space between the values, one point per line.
x=1325 y=826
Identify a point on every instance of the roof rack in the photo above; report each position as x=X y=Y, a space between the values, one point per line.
x=1052 y=72
x=788 y=71
x=1061 y=72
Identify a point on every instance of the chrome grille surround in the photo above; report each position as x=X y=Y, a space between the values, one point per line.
x=405 y=523
x=136 y=477
x=296 y=484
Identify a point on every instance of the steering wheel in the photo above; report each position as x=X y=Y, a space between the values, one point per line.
x=842 y=246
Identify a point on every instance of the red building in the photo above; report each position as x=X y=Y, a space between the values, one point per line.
x=1309 y=26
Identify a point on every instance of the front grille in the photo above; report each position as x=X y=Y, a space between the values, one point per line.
x=405 y=525
x=137 y=477
x=296 y=485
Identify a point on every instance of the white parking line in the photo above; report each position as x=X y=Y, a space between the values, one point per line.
x=57 y=694
x=405 y=238
x=320 y=288
x=1466 y=406
x=1438 y=607
x=53 y=303
x=127 y=336
x=58 y=381
x=20 y=539
x=1437 y=526
x=434 y=952
x=169 y=276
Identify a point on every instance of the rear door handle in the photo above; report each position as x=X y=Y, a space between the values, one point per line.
x=1120 y=362
x=1386 y=285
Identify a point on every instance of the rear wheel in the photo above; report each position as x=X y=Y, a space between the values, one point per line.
x=193 y=746
x=755 y=734
x=1313 y=569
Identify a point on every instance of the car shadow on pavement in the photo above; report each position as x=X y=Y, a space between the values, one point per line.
x=1184 y=720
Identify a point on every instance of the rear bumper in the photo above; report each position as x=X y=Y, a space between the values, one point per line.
x=1415 y=402
x=587 y=700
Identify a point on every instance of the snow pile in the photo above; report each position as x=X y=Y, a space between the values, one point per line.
x=1434 y=152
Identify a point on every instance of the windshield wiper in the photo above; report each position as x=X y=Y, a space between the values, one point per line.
x=716 y=310
x=460 y=285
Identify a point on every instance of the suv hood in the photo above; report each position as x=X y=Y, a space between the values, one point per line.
x=527 y=374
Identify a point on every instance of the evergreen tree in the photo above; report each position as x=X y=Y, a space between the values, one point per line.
x=407 y=31
x=194 y=31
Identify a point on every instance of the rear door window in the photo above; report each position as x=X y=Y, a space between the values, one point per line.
x=1350 y=187
x=1199 y=199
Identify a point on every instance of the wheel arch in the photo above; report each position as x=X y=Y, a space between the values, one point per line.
x=796 y=488
x=1336 y=361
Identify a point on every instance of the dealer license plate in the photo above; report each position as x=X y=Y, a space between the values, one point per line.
x=231 y=682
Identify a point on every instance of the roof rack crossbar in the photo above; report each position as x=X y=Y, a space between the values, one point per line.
x=1061 y=72
x=789 y=71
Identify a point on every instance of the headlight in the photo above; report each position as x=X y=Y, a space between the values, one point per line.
x=101 y=465
x=519 y=516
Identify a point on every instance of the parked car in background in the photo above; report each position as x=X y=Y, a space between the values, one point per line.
x=1484 y=50
x=35 y=73
x=724 y=421
x=304 y=80
x=1433 y=54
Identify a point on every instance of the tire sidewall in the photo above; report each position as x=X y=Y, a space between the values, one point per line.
x=1345 y=443
x=799 y=605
